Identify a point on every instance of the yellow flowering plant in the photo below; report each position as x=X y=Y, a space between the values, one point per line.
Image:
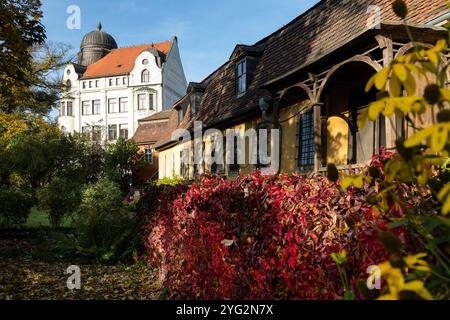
x=421 y=160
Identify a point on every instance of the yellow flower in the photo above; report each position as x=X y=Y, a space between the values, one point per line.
x=396 y=281
x=415 y=262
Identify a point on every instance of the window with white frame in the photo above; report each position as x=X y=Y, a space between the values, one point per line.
x=141 y=101
x=123 y=131
x=123 y=105
x=145 y=76
x=151 y=101
x=113 y=107
x=148 y=155
x=111 y=82
x=241 y=76
x=62 y=109
x=112 y=132
x=96 y=107
x=69 y=109
x=86 y=108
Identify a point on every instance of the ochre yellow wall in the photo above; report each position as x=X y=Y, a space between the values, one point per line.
x=289 y=143
x=337 y=141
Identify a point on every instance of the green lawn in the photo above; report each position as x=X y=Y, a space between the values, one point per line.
x=39 y=218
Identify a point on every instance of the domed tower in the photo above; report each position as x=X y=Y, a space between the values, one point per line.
x=95 y=45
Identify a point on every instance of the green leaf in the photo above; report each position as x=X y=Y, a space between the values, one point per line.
x=399 y=223
x=349 y=295
x=390 y=242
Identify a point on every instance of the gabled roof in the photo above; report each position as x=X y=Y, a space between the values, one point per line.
x=317 y=33
x=157 y=127
x=163 y=115
x=121 y=61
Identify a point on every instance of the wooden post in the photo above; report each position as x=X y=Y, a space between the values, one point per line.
x=386 y=46
x=318 y=151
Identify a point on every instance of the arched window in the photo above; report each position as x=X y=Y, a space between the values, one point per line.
x=68 y=85
x=145 y=77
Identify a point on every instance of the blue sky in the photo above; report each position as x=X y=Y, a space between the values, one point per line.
x=207 y=30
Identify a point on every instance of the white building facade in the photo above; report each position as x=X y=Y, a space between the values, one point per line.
x=111 y=88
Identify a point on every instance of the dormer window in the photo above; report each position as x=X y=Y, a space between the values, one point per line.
x=145 y=76
x=68 y=85
x=195 y=103
x=241 y=72
x=180 y=115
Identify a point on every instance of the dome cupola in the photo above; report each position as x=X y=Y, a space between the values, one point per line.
x=95 y=45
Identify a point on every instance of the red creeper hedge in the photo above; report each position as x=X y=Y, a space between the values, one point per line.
x=263 y=237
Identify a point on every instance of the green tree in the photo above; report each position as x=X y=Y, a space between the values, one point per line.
x=121 y=157
x=21 y=30
x=61 y=196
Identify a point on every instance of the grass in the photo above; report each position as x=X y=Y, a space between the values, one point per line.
x=39 y=218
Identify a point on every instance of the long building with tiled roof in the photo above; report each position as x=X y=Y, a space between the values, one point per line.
x=306 y=79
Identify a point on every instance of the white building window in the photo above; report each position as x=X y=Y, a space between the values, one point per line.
x=96 y=107
x=113 y=106
x=145 y=76
x=112 y=132
x=84 y=84
x=141 y=101
x=152 y=101
x=241 y=72
x=124 y=81
x=123 y=131
x=123 y=105
x=97 y=83
x=148 y=155
x=69 y=110
x=117 y=81
x=86 y=108
x=110 y=82
x=62 y=109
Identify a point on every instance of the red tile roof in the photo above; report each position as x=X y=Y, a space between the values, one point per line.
x=157 y=127
x=121 y=61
